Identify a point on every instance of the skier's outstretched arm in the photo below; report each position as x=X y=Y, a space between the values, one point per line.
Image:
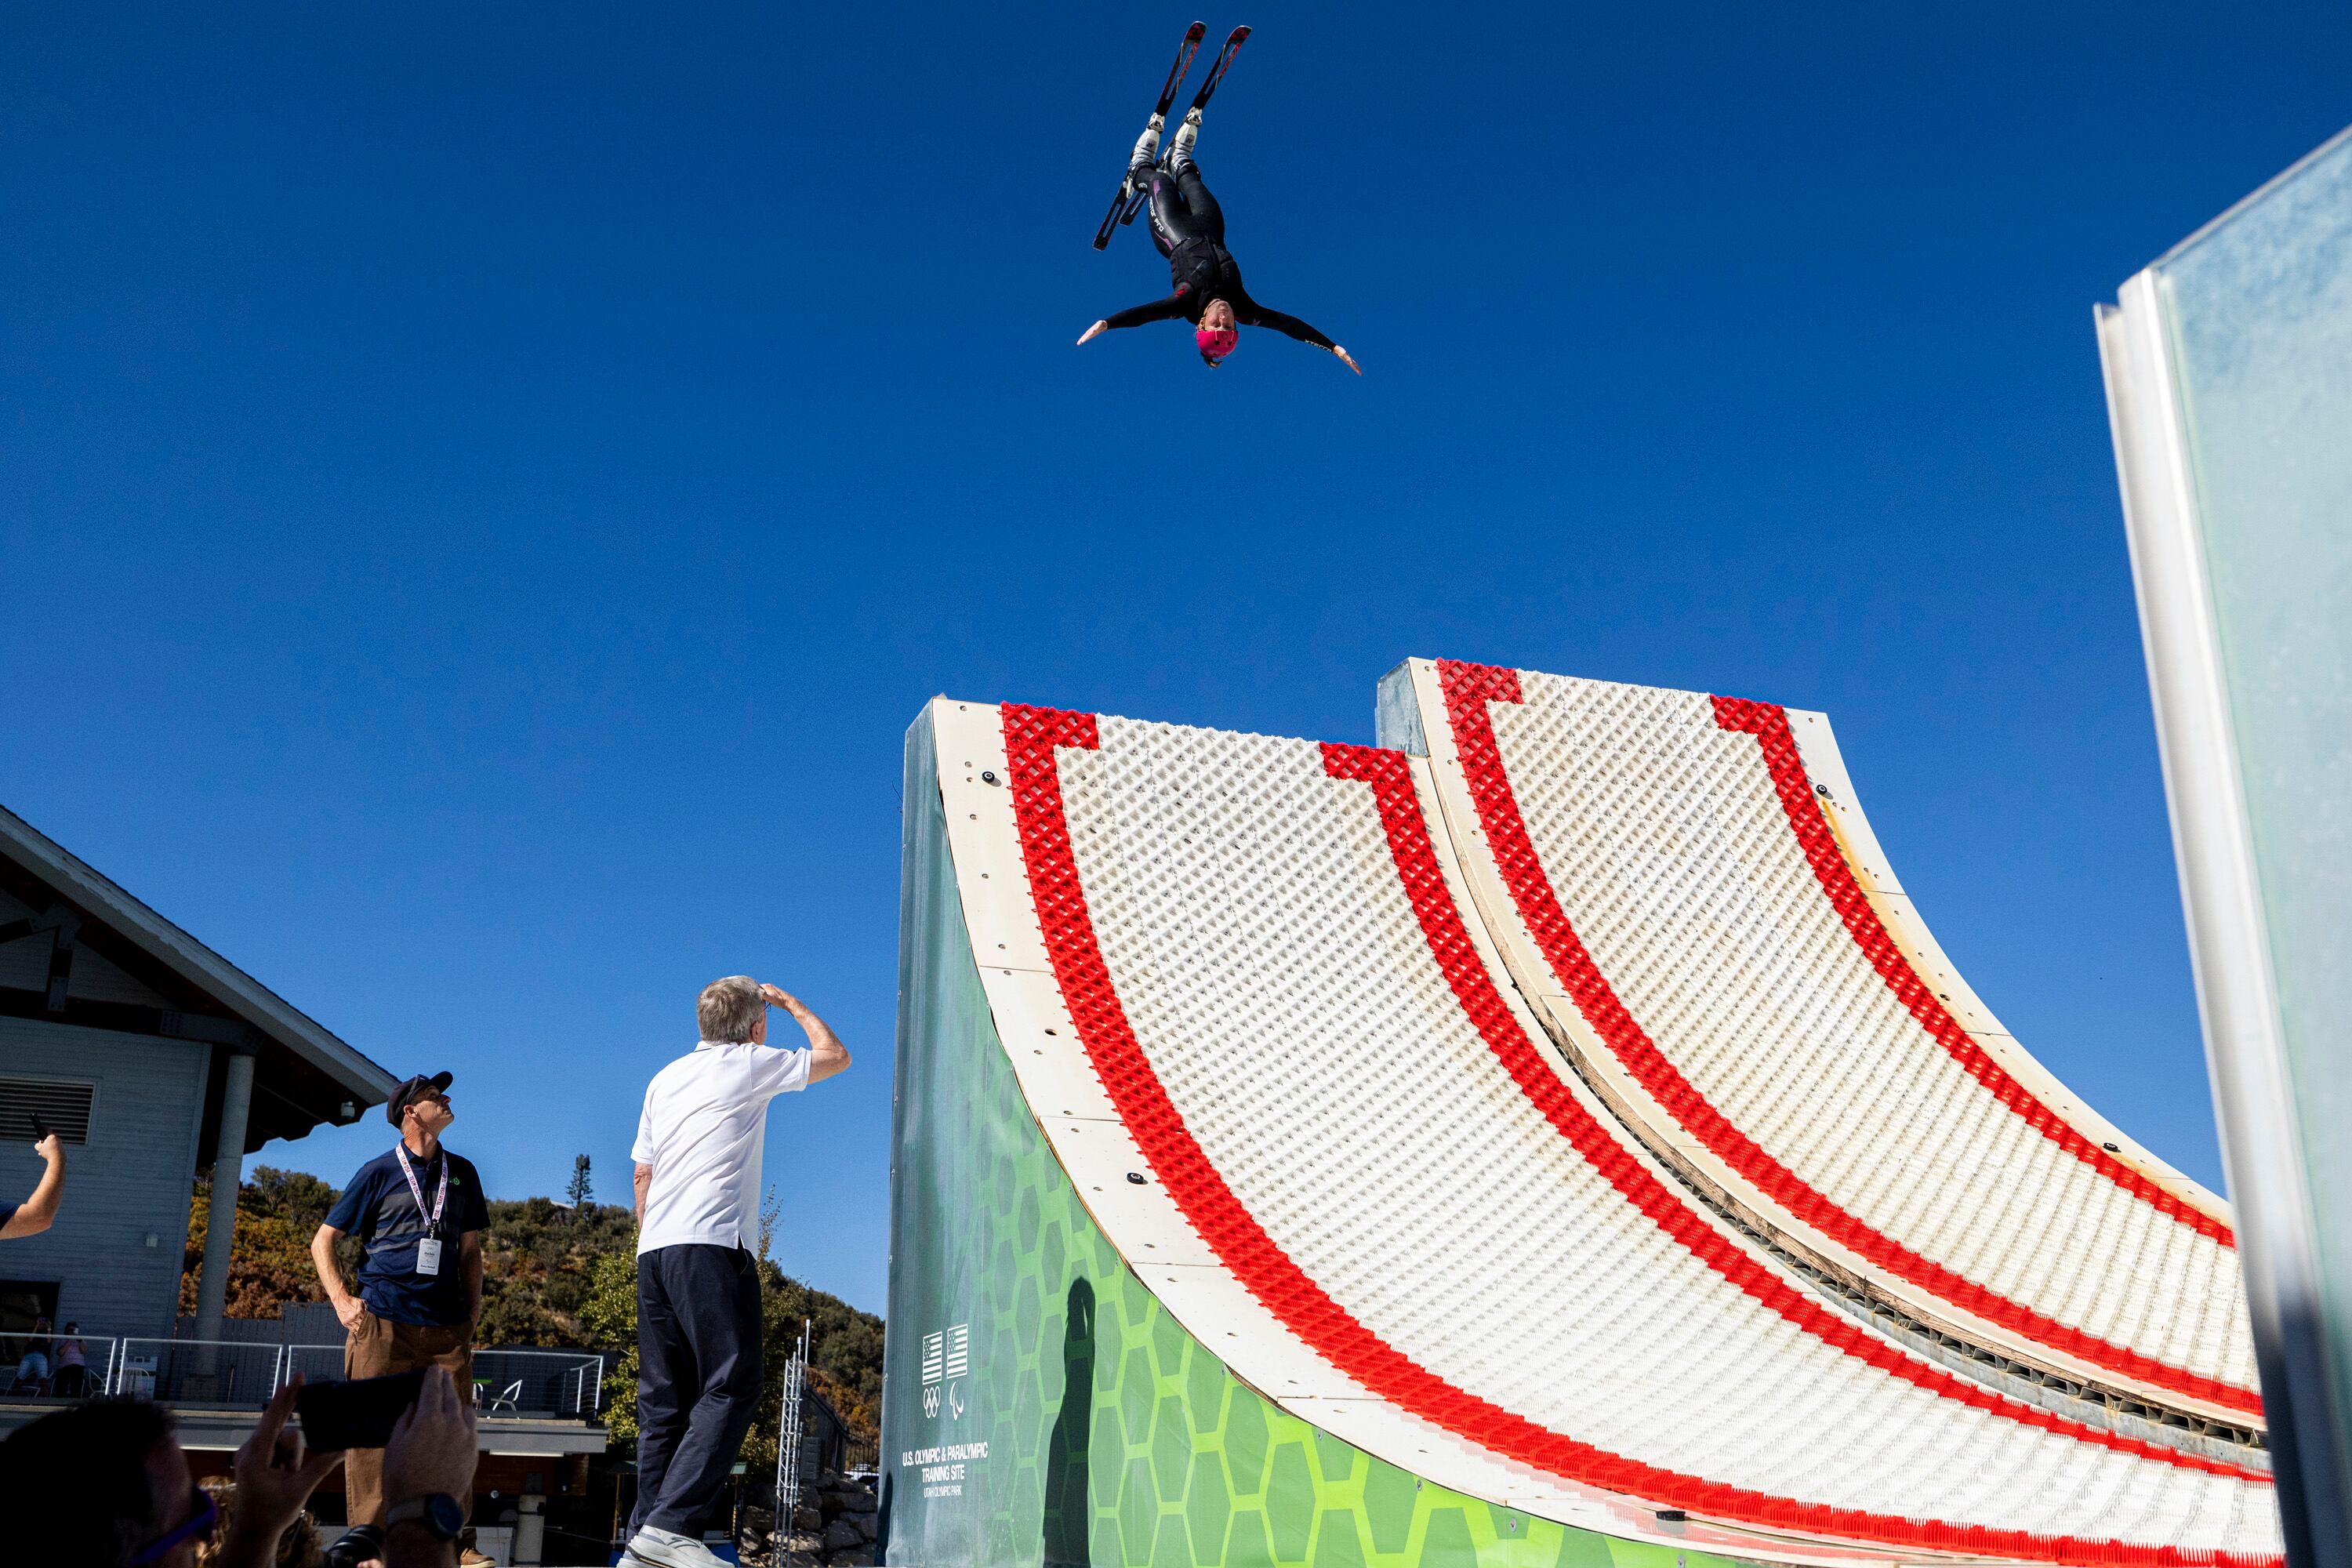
x=1166 y=310
x=1291 y=326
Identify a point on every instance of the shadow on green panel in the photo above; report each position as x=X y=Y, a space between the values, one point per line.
x=1069 y=1496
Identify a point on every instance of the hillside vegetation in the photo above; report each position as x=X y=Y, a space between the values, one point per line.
x=552 y=1274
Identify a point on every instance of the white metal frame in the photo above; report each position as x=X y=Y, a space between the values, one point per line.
x=2229 y=940
x=788 y=1435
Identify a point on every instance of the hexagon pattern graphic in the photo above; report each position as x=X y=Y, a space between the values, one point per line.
x=1112 y=1437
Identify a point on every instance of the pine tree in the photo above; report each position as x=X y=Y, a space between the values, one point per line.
x=578 y=1194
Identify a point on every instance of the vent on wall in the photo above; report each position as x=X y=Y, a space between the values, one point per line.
x=64 y=1106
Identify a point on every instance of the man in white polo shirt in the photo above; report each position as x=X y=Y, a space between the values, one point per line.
x=697 y=1181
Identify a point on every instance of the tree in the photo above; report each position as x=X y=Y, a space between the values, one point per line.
x=610 y=1316
x=578 y=1195
x=270 y=1264
x=297 y=1197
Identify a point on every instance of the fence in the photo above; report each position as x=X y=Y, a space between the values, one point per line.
x=549 y=1384
x=197 y=1371
x=540 y=1383
x=20 y=1376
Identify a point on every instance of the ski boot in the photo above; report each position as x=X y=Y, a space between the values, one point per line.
x=1146 y=153
x=1179 y=146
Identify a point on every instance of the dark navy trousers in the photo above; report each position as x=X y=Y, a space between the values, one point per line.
x=697 y=1379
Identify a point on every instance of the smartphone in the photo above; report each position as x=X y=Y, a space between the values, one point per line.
x=40 y=1129
x=359 y=1414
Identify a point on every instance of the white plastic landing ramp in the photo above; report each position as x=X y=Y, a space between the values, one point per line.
x=1686 y=891
x=1241 y=969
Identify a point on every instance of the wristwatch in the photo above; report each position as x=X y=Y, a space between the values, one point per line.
x=437 y=1512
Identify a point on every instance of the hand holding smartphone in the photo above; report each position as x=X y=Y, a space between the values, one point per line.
x=359 y=1414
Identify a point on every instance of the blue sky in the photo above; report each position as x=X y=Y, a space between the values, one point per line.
x=483 y=493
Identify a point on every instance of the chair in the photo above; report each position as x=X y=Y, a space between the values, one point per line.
x=507 y=1398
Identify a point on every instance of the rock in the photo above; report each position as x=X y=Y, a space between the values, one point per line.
x=861 y=1558
x=809 y=1517
x=864 y=1522
x=861 y=1502
x=841 y=1533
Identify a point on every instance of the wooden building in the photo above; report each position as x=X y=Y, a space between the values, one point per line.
x=156 y=1060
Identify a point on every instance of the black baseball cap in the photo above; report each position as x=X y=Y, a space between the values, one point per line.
x=412 y=1090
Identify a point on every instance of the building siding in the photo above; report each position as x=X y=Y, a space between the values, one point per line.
x=133 y=1179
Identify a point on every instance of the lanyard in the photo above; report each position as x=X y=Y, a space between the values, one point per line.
x=441 y=1196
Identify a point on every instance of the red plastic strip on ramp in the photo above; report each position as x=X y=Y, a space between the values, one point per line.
x=1031 y=738
x=1467 y=689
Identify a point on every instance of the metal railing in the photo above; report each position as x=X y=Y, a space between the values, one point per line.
x=538 y=1383
x=98 y=1354
x=548 y=1383
x=197 y=1371
x=555 y=1385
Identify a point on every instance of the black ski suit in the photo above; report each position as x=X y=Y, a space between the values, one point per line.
x=1189 y=229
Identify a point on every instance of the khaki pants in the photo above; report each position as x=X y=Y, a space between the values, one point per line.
x=378 y=1348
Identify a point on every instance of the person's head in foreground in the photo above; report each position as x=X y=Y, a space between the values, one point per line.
x=298 y=1548
x=132 y=1500
x=106 y=1485
x=732 y=1011
x=1217 y=333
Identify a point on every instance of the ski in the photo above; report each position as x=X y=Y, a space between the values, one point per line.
x=1123 y=206
x=1224 y=62
x=1217 y=69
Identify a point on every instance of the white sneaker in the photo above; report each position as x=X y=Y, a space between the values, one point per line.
x=667 y=1549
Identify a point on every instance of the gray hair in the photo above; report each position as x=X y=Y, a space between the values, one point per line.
x=729 y=1010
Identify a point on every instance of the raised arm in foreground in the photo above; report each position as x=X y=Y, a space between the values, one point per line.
x=37 y=1213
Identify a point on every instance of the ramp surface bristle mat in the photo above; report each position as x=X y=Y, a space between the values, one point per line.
x=1259 y=945
x=1667 y=856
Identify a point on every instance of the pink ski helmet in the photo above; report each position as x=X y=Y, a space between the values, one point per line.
x=1215 y=342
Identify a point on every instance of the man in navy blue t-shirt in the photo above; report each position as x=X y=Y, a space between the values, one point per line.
x=419 y=1215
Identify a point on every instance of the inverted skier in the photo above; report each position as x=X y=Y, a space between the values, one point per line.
x=1188 y=227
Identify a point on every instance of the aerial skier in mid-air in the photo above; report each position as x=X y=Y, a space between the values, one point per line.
x=1190 y=229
